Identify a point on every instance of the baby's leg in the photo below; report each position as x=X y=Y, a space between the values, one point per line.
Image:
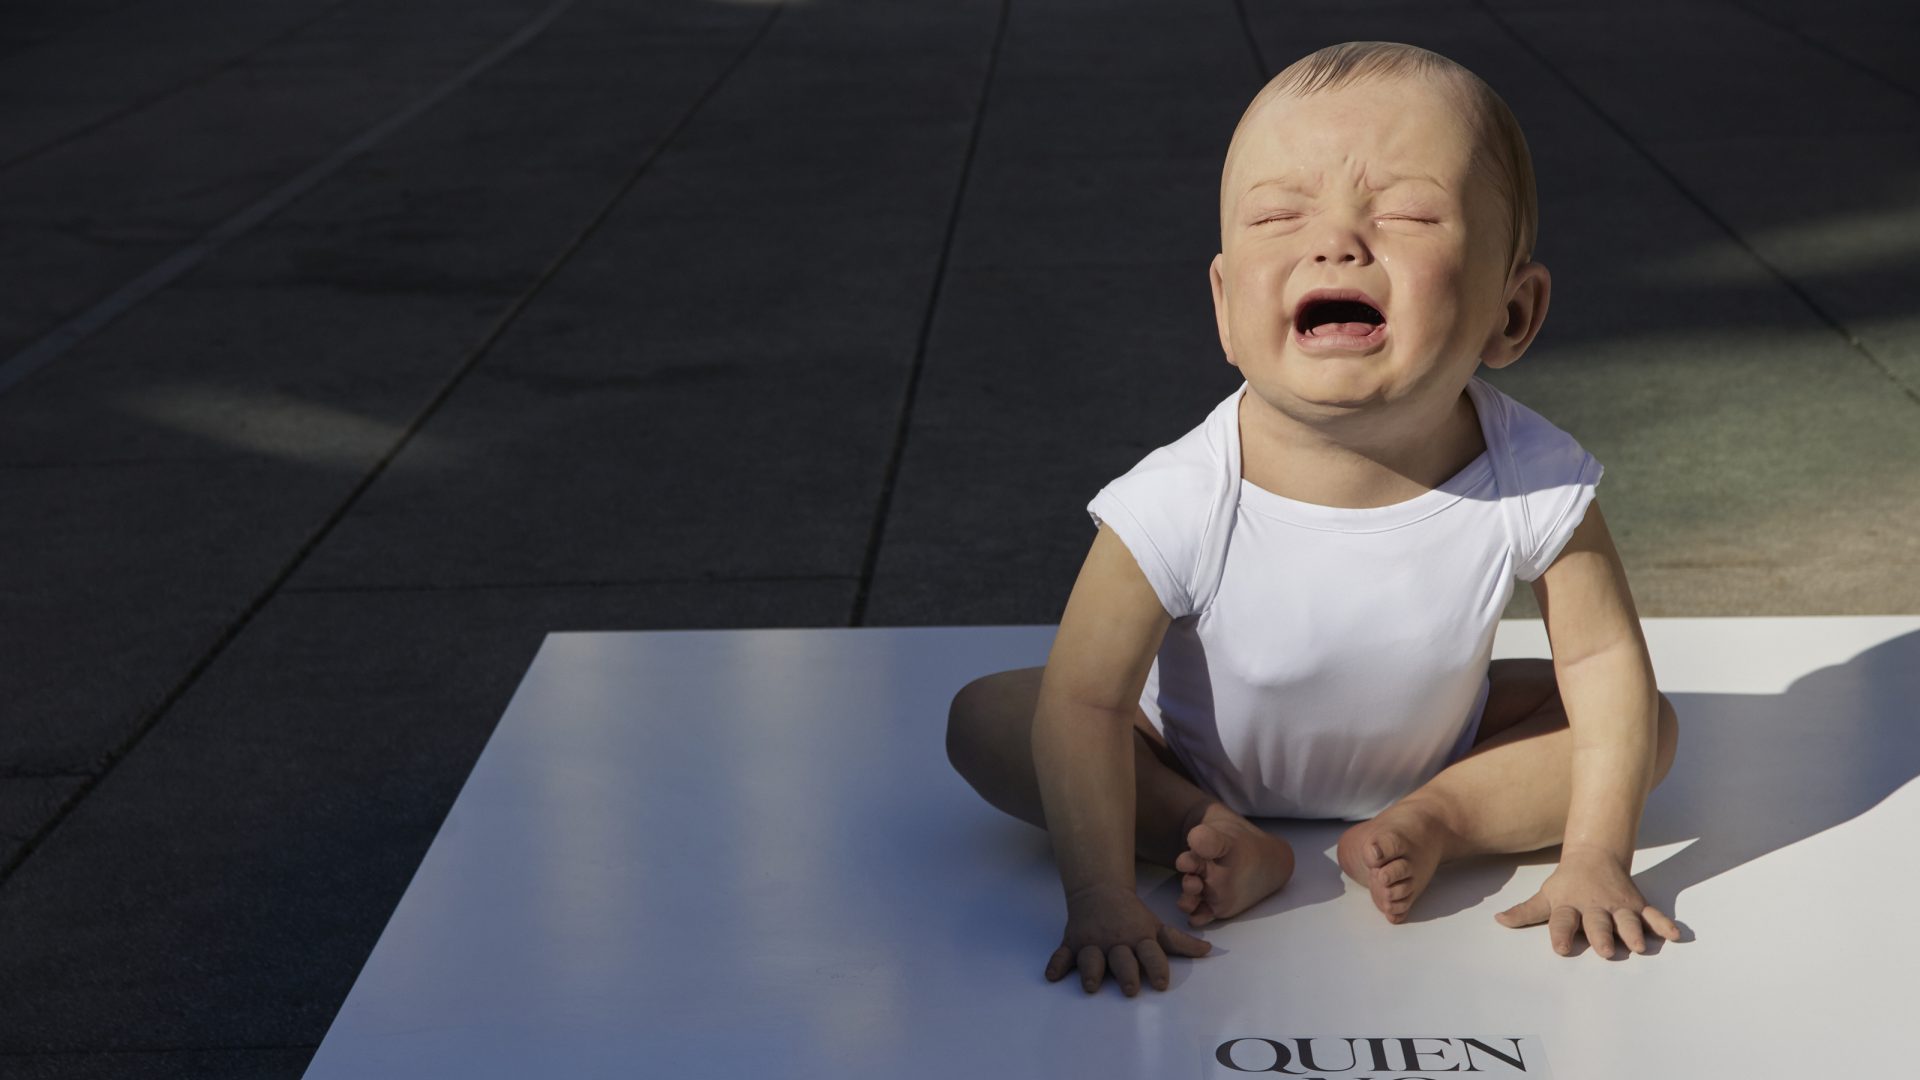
x=1508 y=794
x=1228 y=862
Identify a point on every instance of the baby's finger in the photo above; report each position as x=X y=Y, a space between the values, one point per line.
x=1528 y=912
x=1628 y=925
x=1061 y=963
x=1093 y=967
x=1126 y=969
x=1560 y=927
x=1154 y=961
x=1661 y=924
x=1599 y=926
x=1179 y=941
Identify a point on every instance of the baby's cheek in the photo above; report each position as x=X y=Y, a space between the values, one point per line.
x=1263 y=282
x=1437 y=292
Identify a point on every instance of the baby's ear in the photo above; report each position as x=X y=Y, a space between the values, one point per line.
x=1216 y=274
x=1528 y=291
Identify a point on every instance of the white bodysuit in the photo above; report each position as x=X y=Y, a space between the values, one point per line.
x=1324 y=661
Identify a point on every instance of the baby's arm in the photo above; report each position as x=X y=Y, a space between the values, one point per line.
x=1082 y=740
x=1606 y=684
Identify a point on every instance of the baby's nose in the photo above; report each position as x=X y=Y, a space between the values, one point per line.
x=1343 y=250
x=1342 y=244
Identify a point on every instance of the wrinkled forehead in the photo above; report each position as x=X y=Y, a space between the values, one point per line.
x=1370 y=133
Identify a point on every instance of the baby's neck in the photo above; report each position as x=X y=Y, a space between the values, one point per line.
x=1312 y=465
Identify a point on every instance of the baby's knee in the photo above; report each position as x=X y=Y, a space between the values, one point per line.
x=987 y=717
x=975 y=719
x=963 y=720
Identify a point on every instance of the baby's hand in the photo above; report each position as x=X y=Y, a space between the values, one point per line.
x=1593 y=887
x=1110 y=929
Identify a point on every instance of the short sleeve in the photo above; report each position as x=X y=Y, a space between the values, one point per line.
x=1169 y=585
x=1568 y=509
x=1558 y=481
x=1172 y=510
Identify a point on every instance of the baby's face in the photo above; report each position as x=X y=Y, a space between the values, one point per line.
x=1371 y=189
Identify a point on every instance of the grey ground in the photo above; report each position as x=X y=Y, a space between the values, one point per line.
x=486 y=318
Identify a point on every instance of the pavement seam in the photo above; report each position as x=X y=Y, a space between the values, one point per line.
x=1700 y=204
x=877 y=531
x=1253 y=43
x=163 y=94
x=114 y=756
x=55 y=343
x=263 y=1047
x=611 y=583
x=1827 y=47
x=73 y=27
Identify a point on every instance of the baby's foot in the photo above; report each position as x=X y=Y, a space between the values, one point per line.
x=1394 y=856
x=1229 y=866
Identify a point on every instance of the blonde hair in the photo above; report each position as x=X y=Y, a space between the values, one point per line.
x=1499 y=143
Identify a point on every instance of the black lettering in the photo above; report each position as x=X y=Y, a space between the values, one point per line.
x=1307 y=1061
x=1281 y=1056
x=1413 y=1054
x=1379 y=1048
x=1515 y=1061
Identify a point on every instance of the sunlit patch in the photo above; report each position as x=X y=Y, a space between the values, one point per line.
x=1842 y=244
x=275 y=425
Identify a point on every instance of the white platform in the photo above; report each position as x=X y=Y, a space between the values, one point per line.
x=743 y=854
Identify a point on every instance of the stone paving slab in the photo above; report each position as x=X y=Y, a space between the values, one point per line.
x=31 y=22
x=27 y=804
x=735 y=446
x=183 y=457
x=1877 y=36
x=118 y=581
x=143 y=189
x=1710 y=71
x=698 y=488
x=60 y=87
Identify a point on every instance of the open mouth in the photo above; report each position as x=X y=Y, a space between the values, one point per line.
x=1318 y=318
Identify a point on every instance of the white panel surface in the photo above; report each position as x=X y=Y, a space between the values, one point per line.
x=743 y=853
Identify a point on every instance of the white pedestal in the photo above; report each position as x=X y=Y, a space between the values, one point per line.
x=743 y=854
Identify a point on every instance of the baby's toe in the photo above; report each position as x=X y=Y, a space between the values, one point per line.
x=1391 y=872
x=1400 y=890
x=1385 y=847
x=1187 y=863
x=1191 y=884
x=1207 y=842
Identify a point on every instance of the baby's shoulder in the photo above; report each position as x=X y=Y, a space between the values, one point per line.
x=1531 y=451
x=1166 y=509
x=1546 y=479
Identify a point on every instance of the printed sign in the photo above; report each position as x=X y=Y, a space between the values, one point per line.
x=1384 y=1057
